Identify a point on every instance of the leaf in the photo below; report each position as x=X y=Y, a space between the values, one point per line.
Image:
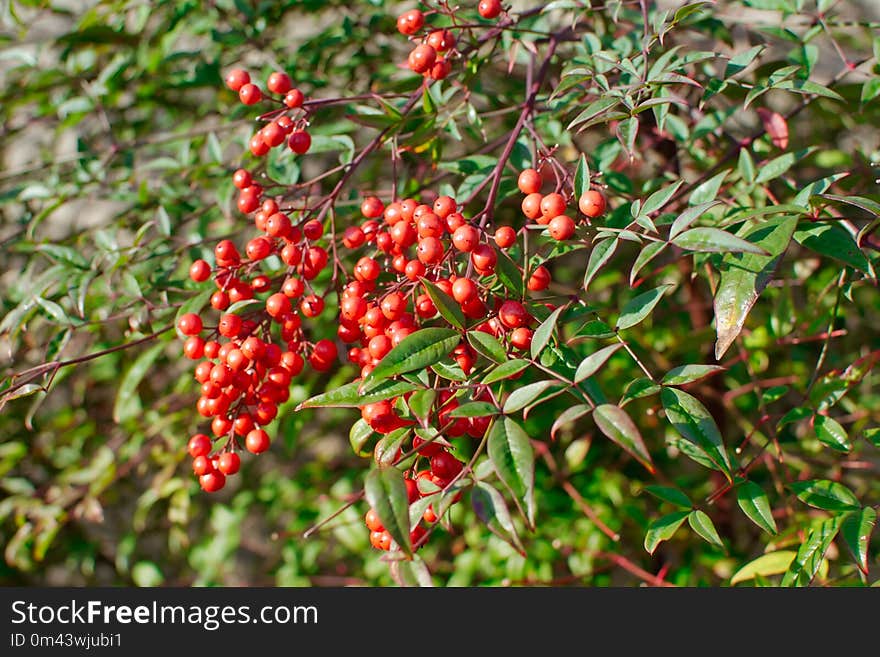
x=671 y=495
x=509 y=275
x=386 y=494
x=591 y=364
x=640 y=307
x=678 y=376
x=650 y=251
x=599 y=255
x=567 y=416
x=739 y=62
x=421 y=402
x=754 y=503
x=411 y=572
x=744 y=277
x=691 y=419
x=128 y=404
x=544 y=332
x=809 y=557
x=449 y=371
x=491 y=509
x=637 y=389
x=52 y=309
x=689 y=216
x=660 y=198
x=593 y=110
x=510 y=451
x=63 y=254
x=866 y=204
x=616 y=424
x=772 y=563
x=487 y=345
x=596 y=329
x=707 y=191
x=774 y=168
x=505 y=370
x=703 y=525
x=358 y=437
x=474 y=409
x=663 y=528
x=581 y=177
x=825 y=494
x=715 y=240
x=835 y=242
x=522 y=397
x=349 y=395
x=829 y=431
x=446 y=305
x=857 y=529
x=417 y=350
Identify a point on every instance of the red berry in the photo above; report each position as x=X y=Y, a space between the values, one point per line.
x=552 y=206
x=279 y=83
x=529 y=181
x=294 y=98
x=237 y=78
x=489 y=8
x=592 y=203
x=531 y=205
x=200 y=271
x=250 y=94
x=445 y=466
x=421 y=58
x=410 y=22
x=190 y=324
x=212 y=481
x=561 y=228
x=199 y=445
x=505 y=237
x=539 y=280
x=513 y=314
x=372 y=207
x=441 y=40
x=466 y=238
x=242 y=178
x=229 y=463
x=300 y=141
x=257 y=441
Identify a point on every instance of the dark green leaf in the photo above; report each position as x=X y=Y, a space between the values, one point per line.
x=593 y=110
x=715 y=240
x=671 y=495
x=385 y=491
x=474 y=409
x=829 y=431
x=421 y=402
x=509 y=275
x=581 y=177
x=825 y=494
x=753 y=501
x=448 y=308
x=835 y=242
x=487 y=345
x=591 y=364
x=544 y=332
x=650 y=251
x=359 y=436
x=691 y=419
x=809 y=557
x=616 y=424
x=505 y=370
x=638 y=308
x=510 y=451
x=417 y=350
x=857 y=529
x=490 y=507
x=349 y=395
x=637 y=389
x=688 y=374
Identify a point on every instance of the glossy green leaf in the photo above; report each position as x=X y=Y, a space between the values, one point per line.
x=544 y=332
x=767 y=565
x=663 y=528
x=491 y=509
x=650 y=251
x=349 y=395
x=568 y=416
x=591 y=364
x=832 y=240
x=359 y=438
x=715 y=240
x=448 y=308
x=522 y=397
x=809 y=557
x=421 y=402
x=856 y=530
x=510 y=451
x=744 y=277
x=691 y=419
x=594 y=110
x=754 y=503
x=702 y=524
x=487 y=345
x=474 y=409
x=386 y=494
x=617 y=425
x=509 y=275
x=829 y=431
x=638 y=308
x=637 y=389
x=688 y=374
x=411 y=572
x=417 y=350
x=825 y=494
x=582 y=177
x=505 y=370
x=671 y=495
x=599 y=255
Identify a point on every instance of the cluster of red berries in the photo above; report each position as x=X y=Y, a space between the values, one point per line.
x=431 y=55
x=285 y=124
x=550 y=209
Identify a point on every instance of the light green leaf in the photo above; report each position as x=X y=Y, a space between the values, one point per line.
x=663 y=528
x=772 y=563
x=702 y=524
x=544 y=332
x=678 y=376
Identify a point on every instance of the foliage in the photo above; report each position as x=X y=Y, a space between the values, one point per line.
x=696 y=406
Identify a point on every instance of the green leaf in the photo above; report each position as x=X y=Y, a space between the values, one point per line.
x=715 y=240
x=744 y=277
x=825 y=494
x=809 y=557
x=703 y=525
x=128 y=404
x=390 y=447
x=691 y=419
x=663 y=528
x=509 y=275
x=491 y=509
x=857 y=529
x=808 y=87
x=505 y=370
x=774 y=168
x=599 y=255
x=417 y=350
x=754 y=503
x=660 y=198
x=474 y=409
x=650 y=251
x=872 y=436
x=772 y=563
x=449 y=371
x=421 y=402
x=544 y=332
x=522 y=397
x=831 y=240
x=385 y=491
x=707 y=191
x=350 y=395
x=567 y=416
x=685 y=219
x=359 y=437
x=637 y=389
x=678 y=376
x=616 y=424
x=591 y=364
x=510 y=451
x=581 y=177
x=448 y=308
x=829 y=431
x=866 y=204
x=411 y=572
x=487 y=345
x=638 y=308
x=671 y=495
x=741 y=61
x=593 y=110
x=53 y=310
x=596 y=329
